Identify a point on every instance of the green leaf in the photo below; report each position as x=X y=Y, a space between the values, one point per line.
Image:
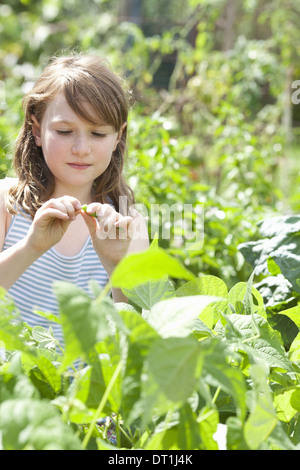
x=288 y=259
x=294 y=314
x=179 y=316
x=203 y=285
x=283 y=225
x=73 y=410
x=43 y=373
x=34 y=425
x=150 y=265
x=280 y=440
x=208 y=420
x=218 y=372
x=279 y=251
x=148 y=294
x=273 y=268
x=259 y=341
x=240 y=297
x=138 y=342
x=11 y=328
x=269 y=349
x=209 y=286
x=287 y=404
x=262 y=419
x=49 y=316
x=189 y=431
x=85 y=321
x=90 y=385
x=294 y=351
x=235 y=439
x=43 y=337
x=175 y=364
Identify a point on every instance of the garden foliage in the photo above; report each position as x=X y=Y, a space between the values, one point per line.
x=207 y=350
x=174 y=368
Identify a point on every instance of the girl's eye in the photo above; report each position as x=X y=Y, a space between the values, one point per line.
x=63 y=132
x=98 y=134
x=67 y=132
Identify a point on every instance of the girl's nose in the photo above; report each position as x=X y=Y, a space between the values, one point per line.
x=81 y=146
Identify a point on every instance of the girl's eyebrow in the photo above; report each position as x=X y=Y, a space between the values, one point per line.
x=65 y=121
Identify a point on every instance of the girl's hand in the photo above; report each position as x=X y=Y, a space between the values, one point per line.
x=51 y=222
x=111 y=233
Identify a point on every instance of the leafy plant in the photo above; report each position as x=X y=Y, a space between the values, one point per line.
x=275 y=257
x=173 y=368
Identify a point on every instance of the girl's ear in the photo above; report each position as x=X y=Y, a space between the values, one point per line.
x=121 y=130
x=36 y=131
x=120 y=133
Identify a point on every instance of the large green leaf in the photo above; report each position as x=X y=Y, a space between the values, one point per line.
x=175 y=364
x=262 y=419
x=34 y=425
x=219 y=372
x=207 y=286
x=90 y=384
x=240 y=299
x=282 y=225
x=139 y=339
x=279 y=246
x=85 y=321
x=42 y=372
x=179 y=316
x=147 y=294
x=149 y=265
x=294 y=314
x=189 y=431
x=203 y=285
x=287 y=257
x=258 y=339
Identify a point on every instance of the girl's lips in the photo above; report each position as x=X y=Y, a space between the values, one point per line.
x=79 y=166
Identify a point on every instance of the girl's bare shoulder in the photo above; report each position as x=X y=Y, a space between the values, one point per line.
x=5 y=184
x=5 y=216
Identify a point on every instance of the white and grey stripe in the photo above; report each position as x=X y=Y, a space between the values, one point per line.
x=33 y=290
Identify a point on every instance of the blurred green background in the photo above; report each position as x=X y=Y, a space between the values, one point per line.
x=213 y=124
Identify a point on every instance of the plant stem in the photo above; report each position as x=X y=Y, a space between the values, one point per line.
x=122 y=430
x=102 y=404
x=216 y=395
x=104 y=292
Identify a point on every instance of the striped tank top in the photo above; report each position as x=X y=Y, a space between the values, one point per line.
x=33 y=290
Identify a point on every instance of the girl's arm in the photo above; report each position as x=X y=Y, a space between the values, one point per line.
x=15 y=260
x=49 y=225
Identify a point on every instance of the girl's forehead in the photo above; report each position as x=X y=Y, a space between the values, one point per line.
x=59 y=109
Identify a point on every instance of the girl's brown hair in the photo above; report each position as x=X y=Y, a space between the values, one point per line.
x=81 y=78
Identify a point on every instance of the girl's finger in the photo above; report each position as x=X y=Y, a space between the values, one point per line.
x=105 y=211
x=91 y=222
x=124 y=224
x=69 y=208
x=52 y=213
x=66 y=205
x=106 y=224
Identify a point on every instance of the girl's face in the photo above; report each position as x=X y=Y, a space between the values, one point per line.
x=76 y=151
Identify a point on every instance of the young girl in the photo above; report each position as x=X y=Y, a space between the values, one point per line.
x=69 y=152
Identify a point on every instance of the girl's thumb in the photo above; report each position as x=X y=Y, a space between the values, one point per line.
x=90 y=221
